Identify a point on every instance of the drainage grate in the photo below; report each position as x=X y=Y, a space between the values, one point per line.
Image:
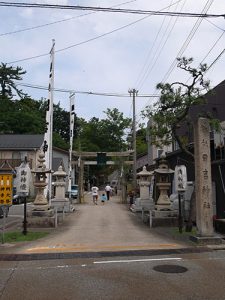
x=170 y=269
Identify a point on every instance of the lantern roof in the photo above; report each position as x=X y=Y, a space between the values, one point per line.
x=60 y=172
x=163 y=167
x=144 y=172
x=41 y=167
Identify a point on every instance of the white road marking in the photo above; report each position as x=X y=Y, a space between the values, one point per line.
x=137 y=260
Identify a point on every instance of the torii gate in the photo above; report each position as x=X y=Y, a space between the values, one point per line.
x=83 y=162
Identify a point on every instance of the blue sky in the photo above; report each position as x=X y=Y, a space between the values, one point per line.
x=138 y=56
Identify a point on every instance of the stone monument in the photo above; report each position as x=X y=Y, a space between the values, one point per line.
x=59 y=202
x=203 y=185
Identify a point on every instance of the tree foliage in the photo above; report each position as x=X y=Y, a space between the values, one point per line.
x=141 y=142
x=172 y=109
x=19 y=114
x=8 y=78
x=103 y=135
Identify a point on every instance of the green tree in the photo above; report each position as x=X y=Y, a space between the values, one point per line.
x=8 y=78
x=114 y=128
x=142 y=146
x=103 y=135
x=171 y=111
x=21 y=116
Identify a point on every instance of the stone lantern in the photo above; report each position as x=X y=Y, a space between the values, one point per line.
x=59 y=201
x=163 y=183
x=40 y=202
x=144 y=183
x=60 y=184
x=41 y=214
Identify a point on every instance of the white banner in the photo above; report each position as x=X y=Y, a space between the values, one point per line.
x=49 y=122
x=72 y=112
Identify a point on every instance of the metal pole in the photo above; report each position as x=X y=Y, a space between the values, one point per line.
x=25 y=215
x=3 y=227
x=134 y=93
x=180 y=217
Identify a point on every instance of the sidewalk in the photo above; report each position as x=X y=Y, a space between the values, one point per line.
x=93 y=228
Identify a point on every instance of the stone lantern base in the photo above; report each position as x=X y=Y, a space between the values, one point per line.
x=43 y=217
x=61 y=204
x=165 y=213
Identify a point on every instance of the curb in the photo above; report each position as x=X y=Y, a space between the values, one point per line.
x=99 y=254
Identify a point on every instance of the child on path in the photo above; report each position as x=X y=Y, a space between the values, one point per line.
x=103 y=198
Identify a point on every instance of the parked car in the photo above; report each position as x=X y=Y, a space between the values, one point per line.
x=74 y=191
x=6 y=213
x=17 y=199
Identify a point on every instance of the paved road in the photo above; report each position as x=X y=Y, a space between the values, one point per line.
x=108 y=227
x=117 y=278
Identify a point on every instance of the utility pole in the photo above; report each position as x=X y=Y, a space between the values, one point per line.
x=134 y=93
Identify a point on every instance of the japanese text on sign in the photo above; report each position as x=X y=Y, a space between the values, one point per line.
x=6 y=189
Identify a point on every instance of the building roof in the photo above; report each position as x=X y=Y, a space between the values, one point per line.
x=214 y=107
x=21 y=141
x=214 y=104
x=56 y=162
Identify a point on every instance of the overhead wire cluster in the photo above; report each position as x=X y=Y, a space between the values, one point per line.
x=109 y=9
x=57 y=22
x=147 y=13
x=120 y=95
x=187 y=42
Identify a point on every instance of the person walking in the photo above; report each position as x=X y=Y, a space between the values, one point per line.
x=108 y=190
x=94 y=191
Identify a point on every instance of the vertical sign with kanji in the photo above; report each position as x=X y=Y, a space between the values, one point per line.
x=23 y=179
x=6 y=189
x=203 y=179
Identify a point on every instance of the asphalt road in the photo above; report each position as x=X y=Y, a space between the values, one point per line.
x=106 y=252
x=198 y=276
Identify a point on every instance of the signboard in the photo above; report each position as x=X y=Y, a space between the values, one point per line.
x=180 y=178
x=101 y=158
x=6 y=189
x=23 y=180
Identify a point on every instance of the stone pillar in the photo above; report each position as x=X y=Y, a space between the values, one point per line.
x=203 y=183
x=203 y=180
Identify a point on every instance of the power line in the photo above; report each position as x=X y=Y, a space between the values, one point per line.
x=81 y=43
x=158 y=51
x=84 y=92
x=187 y=41
x=216 y=59
x=56 y=22
x=108 y=9
x=89 y=40
x=218 y=27
x=143 y=69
